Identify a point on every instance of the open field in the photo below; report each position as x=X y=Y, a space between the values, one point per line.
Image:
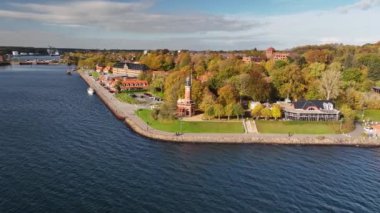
x=373 y=115
x=297 y=127
x=191 y=127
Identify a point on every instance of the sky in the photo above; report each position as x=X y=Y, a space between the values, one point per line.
x=191 y=24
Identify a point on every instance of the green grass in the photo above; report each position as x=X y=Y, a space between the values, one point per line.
x=158 y=94
x=297 y=127
x=95 y=75
x=125 y=97
x=191 y=127
x=373 y=115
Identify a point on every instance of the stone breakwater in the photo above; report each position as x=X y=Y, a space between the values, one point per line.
x=126 y=113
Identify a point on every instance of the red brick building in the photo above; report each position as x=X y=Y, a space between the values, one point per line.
x=271 y=53
x=252 y=59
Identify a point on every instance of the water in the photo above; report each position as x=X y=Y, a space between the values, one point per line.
x=63 y=151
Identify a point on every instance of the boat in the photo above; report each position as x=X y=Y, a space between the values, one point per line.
x=68 y=72
x=42 y=63
x=26 y=63
x=90 y=91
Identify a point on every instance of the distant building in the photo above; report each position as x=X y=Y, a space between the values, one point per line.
x=271 y=53
x=2 y=59
x=376 y=89
x=252 y=59
x=15 y=53
x=314 y=110
x=185 y=106
x=110 y=82
x=104 y=69
x=134 y=84
x=132 y=70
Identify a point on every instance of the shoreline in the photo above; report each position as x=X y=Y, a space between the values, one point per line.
x=126 y=113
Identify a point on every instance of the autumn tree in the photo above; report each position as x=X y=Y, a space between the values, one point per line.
x=227 y=95
x=289 y=81
x=256 y=111
x=330 y=82
x=266 y=113
x=238 y=110
x=276 y=111
x=229 y=110
x=218 y=110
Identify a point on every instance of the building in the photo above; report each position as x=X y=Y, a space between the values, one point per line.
x=314 y=110
x=134 y=84
x=376 y=89
x=252 y=59
x=271 y=53
x=185 y=106
x=131 y=69
x=105 y=69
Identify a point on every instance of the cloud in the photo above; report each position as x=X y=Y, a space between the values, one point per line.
x=360 y=5
x=123 y=17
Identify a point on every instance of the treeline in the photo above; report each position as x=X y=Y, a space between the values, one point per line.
x=222 y=81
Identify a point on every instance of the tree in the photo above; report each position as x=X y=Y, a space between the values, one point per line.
x=266 y=113
x=209 y=113
x=218 y=110
x=256 y=111
x=229 y=110
x=371 y=61
x=238 y=110
x=227 y=95
x=330 y=82
x=207 y=100
x=276 y=111
x=289 y=81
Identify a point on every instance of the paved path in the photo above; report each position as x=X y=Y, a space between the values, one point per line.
x=126 y=112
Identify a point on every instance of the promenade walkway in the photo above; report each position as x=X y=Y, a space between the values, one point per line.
x=126 y=112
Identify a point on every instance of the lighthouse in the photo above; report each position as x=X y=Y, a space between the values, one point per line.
x=185 y=106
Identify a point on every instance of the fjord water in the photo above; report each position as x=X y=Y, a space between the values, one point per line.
x=63 y=151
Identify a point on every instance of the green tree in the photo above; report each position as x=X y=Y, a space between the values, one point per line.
x=229 y=110
x=219 y=110
x=238 y=110
x=207 y=100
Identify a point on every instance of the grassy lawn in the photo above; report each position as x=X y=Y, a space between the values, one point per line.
x=95 y=75
x=191 y=127
x=297 y=127
x=373 y=115
x=125 y=97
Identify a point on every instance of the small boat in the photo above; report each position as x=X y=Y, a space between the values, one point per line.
x=90 y=91
x=68 y=72
x=26 y=63
x=42 y=63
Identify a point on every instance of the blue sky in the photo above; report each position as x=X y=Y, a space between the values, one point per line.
x=195 y=24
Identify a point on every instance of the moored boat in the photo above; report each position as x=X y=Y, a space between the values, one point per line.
x=68 y=72
x=90 y=91
x=26 y=63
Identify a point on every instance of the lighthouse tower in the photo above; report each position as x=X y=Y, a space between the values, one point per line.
x=185 y=106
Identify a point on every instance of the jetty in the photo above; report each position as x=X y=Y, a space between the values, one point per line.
x=126 y=113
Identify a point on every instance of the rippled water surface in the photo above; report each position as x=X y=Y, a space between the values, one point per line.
x=63 y=151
